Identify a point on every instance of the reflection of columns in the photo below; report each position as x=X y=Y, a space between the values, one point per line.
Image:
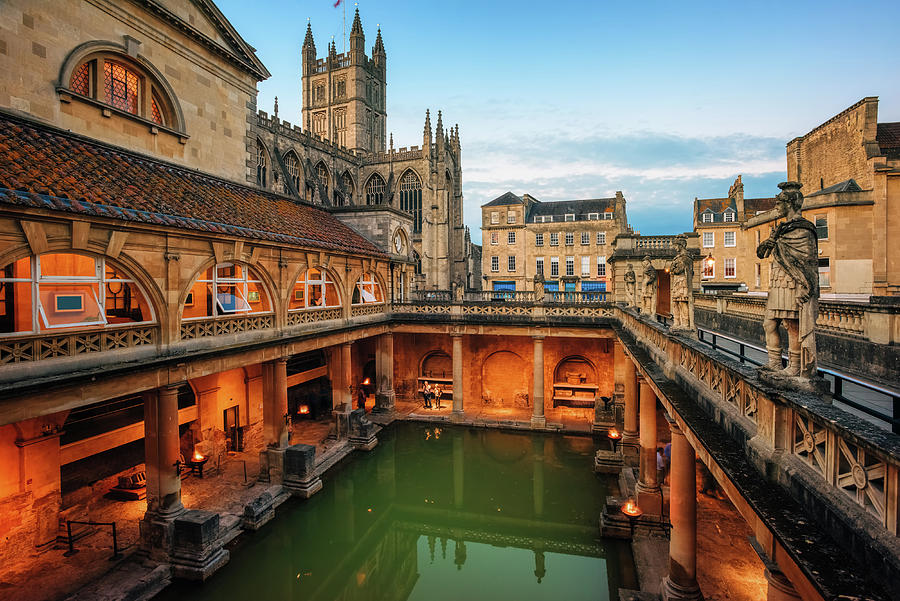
x=346 y=376
x=681 y=582
x=457 y=375
x=537 y=445
x=780 y=588
x=630 y=434
x=162 y=452
x=384 y=362
x=275 y=405
x=458 y=469
x=537 y=417
x=648 y=490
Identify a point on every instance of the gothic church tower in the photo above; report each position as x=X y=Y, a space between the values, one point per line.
x=344 y=94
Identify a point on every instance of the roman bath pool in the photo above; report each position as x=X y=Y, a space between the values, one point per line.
x=436 y=513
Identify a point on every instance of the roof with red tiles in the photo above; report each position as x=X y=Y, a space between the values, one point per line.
x=716 y=205
x=752 y=206
x=44 y=167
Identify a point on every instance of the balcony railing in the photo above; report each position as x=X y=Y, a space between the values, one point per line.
x=36 y=347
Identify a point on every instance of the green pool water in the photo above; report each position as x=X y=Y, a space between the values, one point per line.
x=436 y=513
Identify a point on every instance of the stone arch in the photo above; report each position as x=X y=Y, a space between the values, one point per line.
x=575 y=366
x=376 y=190
x=505 y=381
x=404 y=236
x=265 y=278
x=436 y=363
x=83 y=53
x=347 y=187
x=129 y=265
x=330 y=275
x=409 y=188
x=294 y=169
x=303 y=268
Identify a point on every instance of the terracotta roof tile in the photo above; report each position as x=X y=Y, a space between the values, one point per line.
x=51 y=169
x=888 y=138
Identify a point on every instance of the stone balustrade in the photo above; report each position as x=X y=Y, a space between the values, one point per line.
x=36 y=347
x=872 y=321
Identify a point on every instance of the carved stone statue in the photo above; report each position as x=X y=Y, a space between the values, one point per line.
x=630 y=285
x=682 y=292
x=539 y=288
x=793 y=290
x=648 y=291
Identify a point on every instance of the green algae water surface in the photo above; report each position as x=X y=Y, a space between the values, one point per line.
x=436 y=513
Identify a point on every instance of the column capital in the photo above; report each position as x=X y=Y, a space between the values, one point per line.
x=456 y=334
x=538 y=337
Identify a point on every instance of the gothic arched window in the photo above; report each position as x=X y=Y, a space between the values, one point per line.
x=322 y=174
x=375 y=190
x=262 y=163
x=347 y=182
x=411 y=198
x=292 y=163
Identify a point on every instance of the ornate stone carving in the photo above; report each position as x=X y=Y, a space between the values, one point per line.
x=793 y=292
x=539 y=288
x=648 y=289
x=630 y=287
x=682 y=293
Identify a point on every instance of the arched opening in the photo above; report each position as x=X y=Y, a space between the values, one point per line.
x=375 y=190
x=262 y=164
x=367 y=290
x=67 y=290
x=504 y=381
x=314 y=289
x=226 y=289
x=436 y=369
x=411 y=198
x=322 y=176
x=575 y=382
x=128 y=85
x=292 y=164
x=344 y=195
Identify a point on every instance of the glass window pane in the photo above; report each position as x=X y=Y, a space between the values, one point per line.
x=68 y=265
x=125 y=303
x=69 y=304
x=15 y=305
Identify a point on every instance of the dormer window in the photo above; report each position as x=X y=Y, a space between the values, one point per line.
x=608 y=215
x=593 y=216
x=570 y=216
x=707 y=217
x=729 y=215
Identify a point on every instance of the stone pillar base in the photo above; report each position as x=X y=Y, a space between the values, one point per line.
x=271 y=465
x=780 y=588
x=157 y=534
x=607 y=462
x=538 y=422
x=197 y=549
x=260 y=510
x=384 y=402
x=300 y=476
x=604 y=419
x=457 y=417
x=649 y=499
x=670 y=591
x=362 y=431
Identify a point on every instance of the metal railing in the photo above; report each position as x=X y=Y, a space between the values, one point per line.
x=835 y=378
x=72 y=550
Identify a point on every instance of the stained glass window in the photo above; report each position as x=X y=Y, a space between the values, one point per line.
x=411 y=198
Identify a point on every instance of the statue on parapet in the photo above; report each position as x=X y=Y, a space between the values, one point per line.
x=648 y=290
x=682 y=287
x=539 y=288
x=630 y=286
x=793 y=293
x=458 y=290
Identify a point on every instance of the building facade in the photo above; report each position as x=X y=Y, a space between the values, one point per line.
x=850 y=170
x=566 y=243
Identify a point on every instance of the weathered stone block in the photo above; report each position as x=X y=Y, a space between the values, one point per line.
x=300 y=470
x=258 y=512
x=197 y=549
x=362 y=431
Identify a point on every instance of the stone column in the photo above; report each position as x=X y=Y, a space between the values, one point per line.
x=649 y=493
x=346 y=376
x=162 y=451
x=630 y=428
x=457 y=377
x=384 y=397
x=681 y=582
x=275 y=406
x=537 y=418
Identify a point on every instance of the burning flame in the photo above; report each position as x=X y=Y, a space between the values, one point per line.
x=365 y=382
x=613 y=433
x=630 y=508
x=198 y=456
x=304 y=409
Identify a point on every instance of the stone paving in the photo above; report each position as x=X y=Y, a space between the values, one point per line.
x=727 y=566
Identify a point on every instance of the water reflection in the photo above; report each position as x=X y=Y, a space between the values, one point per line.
x=437 y=513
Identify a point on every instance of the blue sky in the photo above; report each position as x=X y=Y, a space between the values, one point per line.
x=662 y=100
